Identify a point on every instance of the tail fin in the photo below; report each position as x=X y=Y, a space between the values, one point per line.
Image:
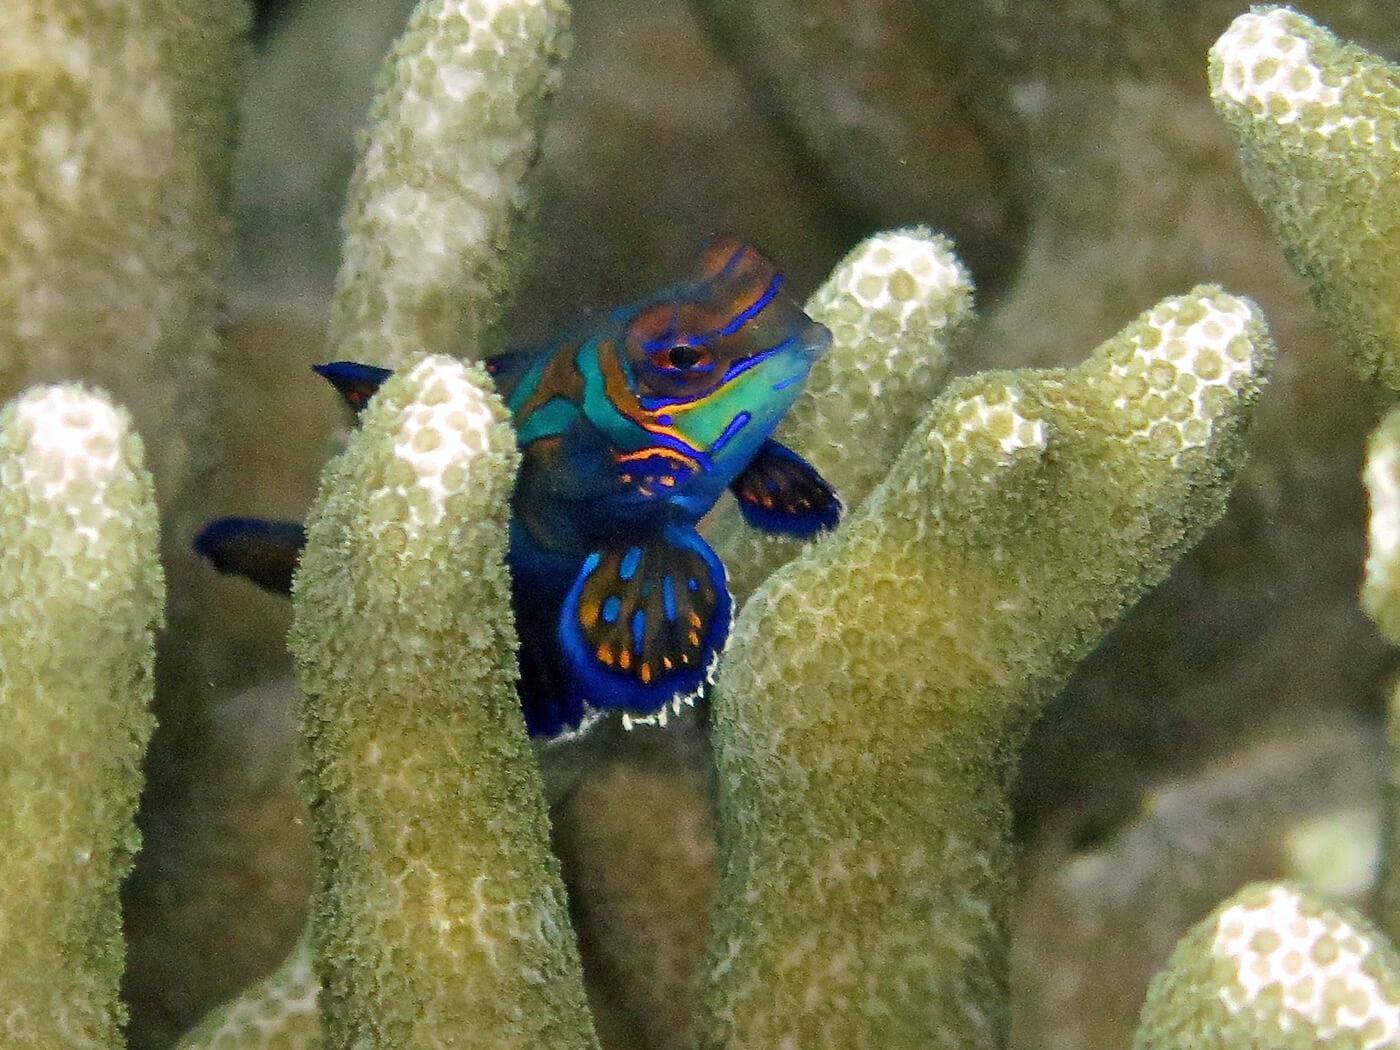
x=263 y=551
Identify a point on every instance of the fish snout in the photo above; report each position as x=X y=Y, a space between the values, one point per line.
x=815 y=339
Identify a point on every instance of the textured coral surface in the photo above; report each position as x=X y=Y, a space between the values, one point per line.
x=440 y=911
x=1318 y=122
x=1075 y=151
x=80 y=599
x=431 y=211
x=878 y=686
x=1275 y=967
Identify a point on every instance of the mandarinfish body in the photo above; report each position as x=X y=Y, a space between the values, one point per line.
x=630 y=430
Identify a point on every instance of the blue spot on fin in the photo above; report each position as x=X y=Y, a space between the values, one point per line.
x=263 y=551
x=633 y=639
x=357 y=383
x=781 y=492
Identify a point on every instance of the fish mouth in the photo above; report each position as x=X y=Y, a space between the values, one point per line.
x=816 y=339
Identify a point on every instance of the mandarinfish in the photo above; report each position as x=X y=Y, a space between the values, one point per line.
x=630 y=429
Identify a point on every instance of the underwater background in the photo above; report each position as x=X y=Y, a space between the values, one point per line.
x=1229 y=728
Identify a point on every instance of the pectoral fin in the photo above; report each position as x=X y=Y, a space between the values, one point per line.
x=644 y=621
x=781 y=492
x=265 y=552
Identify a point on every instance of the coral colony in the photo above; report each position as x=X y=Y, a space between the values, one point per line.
x=878 y=681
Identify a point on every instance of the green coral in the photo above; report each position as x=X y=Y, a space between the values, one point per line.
x=1380 y=593
x=1317 y=121
x=280 y=1012
x=432 y=209
x=1273 y=968
x=870 y=713
x=440 y=911
x=876 y=690
x=80 y=600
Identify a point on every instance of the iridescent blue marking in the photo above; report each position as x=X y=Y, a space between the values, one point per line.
x=738 y=321
x=668 y=595
x=742 y=365
x=692 y=584
x=735 y=425
x=639 y=628
x=591 y=562
x=742 y=317
x=783 y=384
x=630 y=561
x=612 y=609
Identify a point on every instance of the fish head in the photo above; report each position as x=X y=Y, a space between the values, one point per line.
x=718 y=360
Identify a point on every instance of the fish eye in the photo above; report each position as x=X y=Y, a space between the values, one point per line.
x=684 y=356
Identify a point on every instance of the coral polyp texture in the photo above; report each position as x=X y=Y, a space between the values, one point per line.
x=432 y=208
x=1317 y=121
x=440 y=915
x=877 y=688
x=280 y=1012
x=1274 y=967
x=80 y=600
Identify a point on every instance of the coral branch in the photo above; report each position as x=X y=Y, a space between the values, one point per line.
x=1317 y=121
x=896 y=306
x=1274 y=967
x=440 y=918
x=432 y=208
x=878 y=687
x=80 y=600
x=1380 y=594
x=278 y=1013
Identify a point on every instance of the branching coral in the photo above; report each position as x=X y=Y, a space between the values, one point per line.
x=1317 y=121
x=440 y=910
x=871 y=709
x=1274 y=967
x=433 y=207
x=877 y=688
x=1381 y=596
x=80 y=600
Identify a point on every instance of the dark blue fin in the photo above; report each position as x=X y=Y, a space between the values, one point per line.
x=356 y=382
x=644 y=621
x=263 y=551
x=781 y=492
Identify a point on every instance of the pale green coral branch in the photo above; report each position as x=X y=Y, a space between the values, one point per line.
x=1380 y=595
x=877 y=687
x=432 y=210
x=80 y=600
x=1380 y=589
x=1275 y=968
x=1318 y=122
x=896 y=305
x=440 y=919
x=280 y=1012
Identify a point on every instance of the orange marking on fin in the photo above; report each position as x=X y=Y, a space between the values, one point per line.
x=646 y=674
x=588 y=612
x=605 y=655
x=694 y=639
x=666 y=663
x=625 y=659
x=695 y=620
